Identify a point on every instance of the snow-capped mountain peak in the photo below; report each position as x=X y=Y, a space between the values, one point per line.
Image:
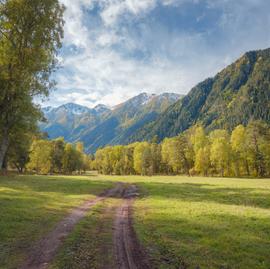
x=100 y=108
x=75 y=109
x=100 y=125
x=140 y=99
x=170 y=96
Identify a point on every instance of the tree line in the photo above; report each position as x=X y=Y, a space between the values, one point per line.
x=243 y=152
x=53 y=156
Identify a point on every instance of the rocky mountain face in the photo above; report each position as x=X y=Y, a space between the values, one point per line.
x=70 y=120
x=101 y=125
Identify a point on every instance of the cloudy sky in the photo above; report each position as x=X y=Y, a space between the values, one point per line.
x=115 y=49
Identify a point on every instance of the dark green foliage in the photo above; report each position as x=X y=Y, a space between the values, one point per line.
x=236 y=95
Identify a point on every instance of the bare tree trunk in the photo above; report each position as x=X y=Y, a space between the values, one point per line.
x=247 y=167
x=4 y=142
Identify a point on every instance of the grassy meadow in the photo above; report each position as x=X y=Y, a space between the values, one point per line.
x=206 y=223
x=184 y=222
x=30 y=206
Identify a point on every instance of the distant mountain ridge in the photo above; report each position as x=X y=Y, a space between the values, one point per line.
x=236 y=95
x=101 y=125
x=70 y=119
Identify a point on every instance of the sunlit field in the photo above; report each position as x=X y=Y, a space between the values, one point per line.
x=30 y=206
x=183 y=222
x=96 y=93
x=204 y=222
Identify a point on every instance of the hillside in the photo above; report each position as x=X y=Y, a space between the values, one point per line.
x=125 y=119
x=102 y=126
x=70 y=120
x=236 y=95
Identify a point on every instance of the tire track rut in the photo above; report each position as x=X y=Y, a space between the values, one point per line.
x=44 y=250
x=129 y=254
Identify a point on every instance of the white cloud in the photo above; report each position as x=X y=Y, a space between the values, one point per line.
x=76 y=33
x=111 y=51
x=114 y=8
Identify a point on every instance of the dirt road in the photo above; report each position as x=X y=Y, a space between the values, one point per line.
x=44 y=251
x=128 y=253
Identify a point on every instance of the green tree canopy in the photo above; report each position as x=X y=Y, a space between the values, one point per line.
x=30 y=36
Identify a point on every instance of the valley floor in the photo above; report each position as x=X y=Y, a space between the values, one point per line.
x=175 y=222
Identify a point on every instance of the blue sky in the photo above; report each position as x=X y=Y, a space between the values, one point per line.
x=115 y=49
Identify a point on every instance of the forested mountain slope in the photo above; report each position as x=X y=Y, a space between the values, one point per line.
x=237 y=94
x=101 y=126
x=126 y=118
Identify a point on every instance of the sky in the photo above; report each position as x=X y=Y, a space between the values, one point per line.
x=116 y=49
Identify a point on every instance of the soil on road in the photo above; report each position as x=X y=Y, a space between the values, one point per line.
x=128 y=253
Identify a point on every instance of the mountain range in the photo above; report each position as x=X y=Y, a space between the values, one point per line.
x=236 y=95
x=102 y=125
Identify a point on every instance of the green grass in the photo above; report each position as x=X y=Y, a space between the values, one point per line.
x=30 y=206
x=213 y=223
x=90 y=245
x=206 y=223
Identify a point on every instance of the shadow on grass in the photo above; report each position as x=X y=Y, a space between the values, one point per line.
x=30 y=206
x=192 y=192
x=207 y=239
x=70 y=185
x=196 y=237
x=214 y=241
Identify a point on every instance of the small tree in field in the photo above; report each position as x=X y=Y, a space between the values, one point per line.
x=69 y=159
x=220 y=151
x=41 y=157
